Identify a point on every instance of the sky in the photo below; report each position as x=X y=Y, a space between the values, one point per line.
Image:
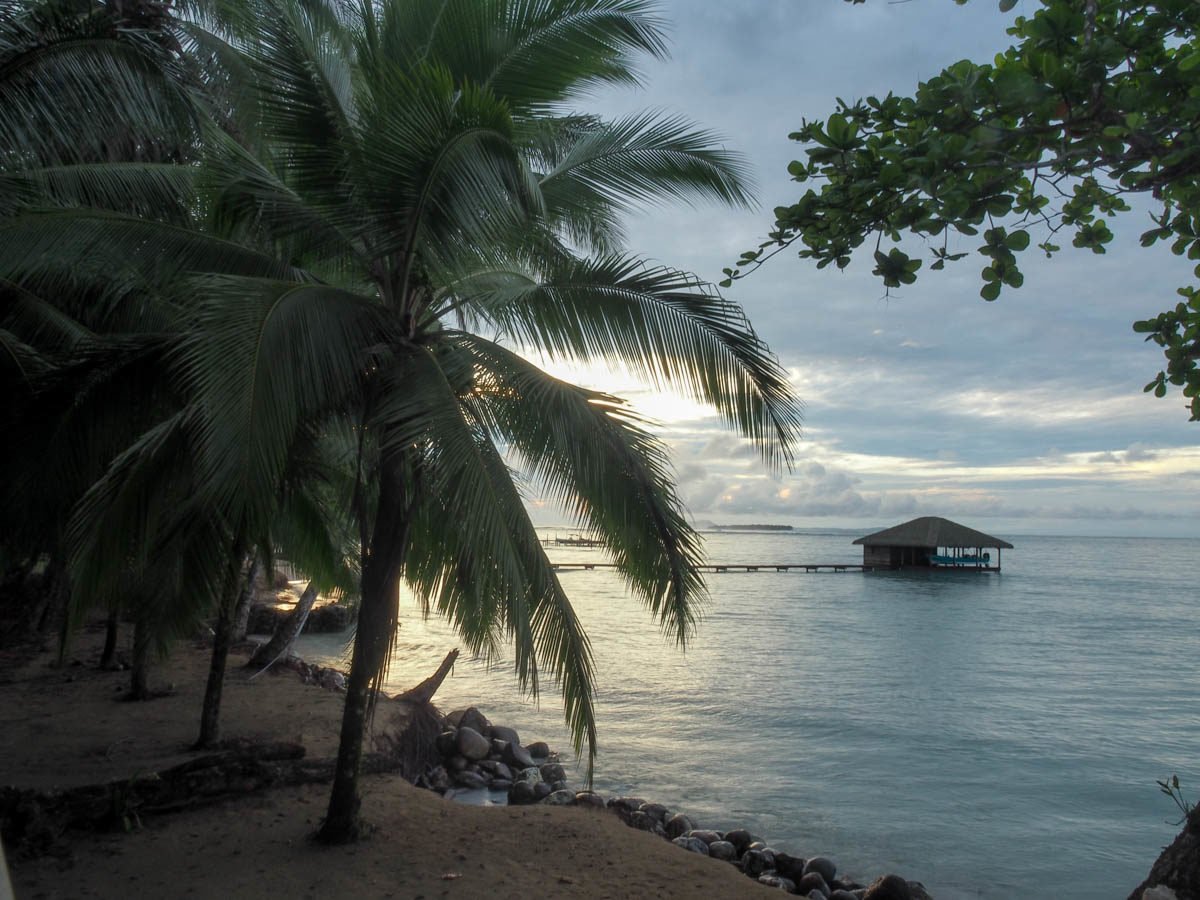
x=1022 y=416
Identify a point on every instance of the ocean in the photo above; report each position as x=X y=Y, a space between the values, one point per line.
x=991 y=735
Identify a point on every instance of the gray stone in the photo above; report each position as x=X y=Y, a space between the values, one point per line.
x=655 y=811
x=552 y=772
x=446 y=742
x=500 y=784
x=823 y=866
x=470 y=780
x=755 y=862
x=888 y=887
x=530 y=776
x=473 y=718
x=741 y=839
x=471 y=744
x=539 y=749
x=812 y=882
x=677 y=825
x=503 y=733
x=1159 y=892
x=541 y=790
x=559 y=798
x=918 y=892
x=643 y=822
x=691 y=844
x=790 y=866
x=521 y=793
x=758 y=845
x=722 y=850
x=457 y=763
x=439 y=779
x=559 y=785
x=778 y=881
x=630 y=804
x=497 y=768
x=842 y=894
x=516 y=756
x=498 y=747
x=589 y=798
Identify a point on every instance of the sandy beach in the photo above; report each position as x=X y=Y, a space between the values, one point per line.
x=67 y=726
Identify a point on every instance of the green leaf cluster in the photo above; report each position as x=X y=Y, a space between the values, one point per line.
x=1093 y=102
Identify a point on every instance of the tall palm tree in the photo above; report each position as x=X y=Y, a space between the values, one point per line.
x=412 y=197
x=423 y=165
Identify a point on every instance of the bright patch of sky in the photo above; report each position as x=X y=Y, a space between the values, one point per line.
x=1025 y=415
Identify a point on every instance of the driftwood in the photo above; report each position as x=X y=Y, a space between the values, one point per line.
x=32 y=821
x=424 y=691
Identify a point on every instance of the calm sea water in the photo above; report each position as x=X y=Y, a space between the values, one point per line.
x=991 y=735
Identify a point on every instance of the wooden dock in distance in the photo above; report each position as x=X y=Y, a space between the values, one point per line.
x=740 y=567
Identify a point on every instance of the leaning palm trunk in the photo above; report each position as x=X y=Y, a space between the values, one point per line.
x=210 y=713
x=241 y=613
x=286 y=631
x=378 y=609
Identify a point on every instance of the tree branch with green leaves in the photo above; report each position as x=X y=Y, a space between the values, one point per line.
x=1095 y=100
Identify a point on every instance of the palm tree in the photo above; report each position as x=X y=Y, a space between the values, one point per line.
x=422 y=165
x=412 y=197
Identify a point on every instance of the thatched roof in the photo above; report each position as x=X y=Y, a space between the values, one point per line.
x=932 y=531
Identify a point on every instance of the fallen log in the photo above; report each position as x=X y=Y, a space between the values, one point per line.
x=424 y=691
x=33 y=822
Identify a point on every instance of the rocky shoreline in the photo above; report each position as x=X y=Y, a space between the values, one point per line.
x=476 y=754
x=473 y=754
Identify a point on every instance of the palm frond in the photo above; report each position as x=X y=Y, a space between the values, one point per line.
x=475 y=557
x=642 y=159
x=161 y=191
x=264 y=358
x=78 y=82
x=591 y=452
x=664 y=325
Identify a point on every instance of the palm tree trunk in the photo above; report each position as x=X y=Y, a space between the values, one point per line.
x=139 y=671
x=376 y=624
x=109 y=654
x=241 y=615
x=210 y=711
x=286 y=631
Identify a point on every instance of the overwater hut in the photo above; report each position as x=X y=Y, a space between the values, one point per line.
x=931 y=542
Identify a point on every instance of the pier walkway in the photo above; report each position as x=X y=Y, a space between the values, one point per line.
x=742 y=567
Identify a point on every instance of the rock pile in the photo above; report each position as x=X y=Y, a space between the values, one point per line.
x=477 y=754
x=328 y=618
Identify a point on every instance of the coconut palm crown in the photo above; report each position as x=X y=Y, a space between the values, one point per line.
x=413 y=198
x=422 y=165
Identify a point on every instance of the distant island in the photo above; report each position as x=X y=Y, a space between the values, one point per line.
x=752 y=527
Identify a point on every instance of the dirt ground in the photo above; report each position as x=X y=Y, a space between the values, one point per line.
x=68 y=726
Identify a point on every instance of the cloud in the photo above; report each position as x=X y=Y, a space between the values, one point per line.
x=1140 y=453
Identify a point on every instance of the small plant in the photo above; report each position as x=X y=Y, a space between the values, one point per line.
x=123 y=804
x=1170 y=787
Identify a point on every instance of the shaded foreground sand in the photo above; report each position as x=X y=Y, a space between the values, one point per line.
x=66 y=727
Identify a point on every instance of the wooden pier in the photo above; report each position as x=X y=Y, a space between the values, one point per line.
x=740 y=567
